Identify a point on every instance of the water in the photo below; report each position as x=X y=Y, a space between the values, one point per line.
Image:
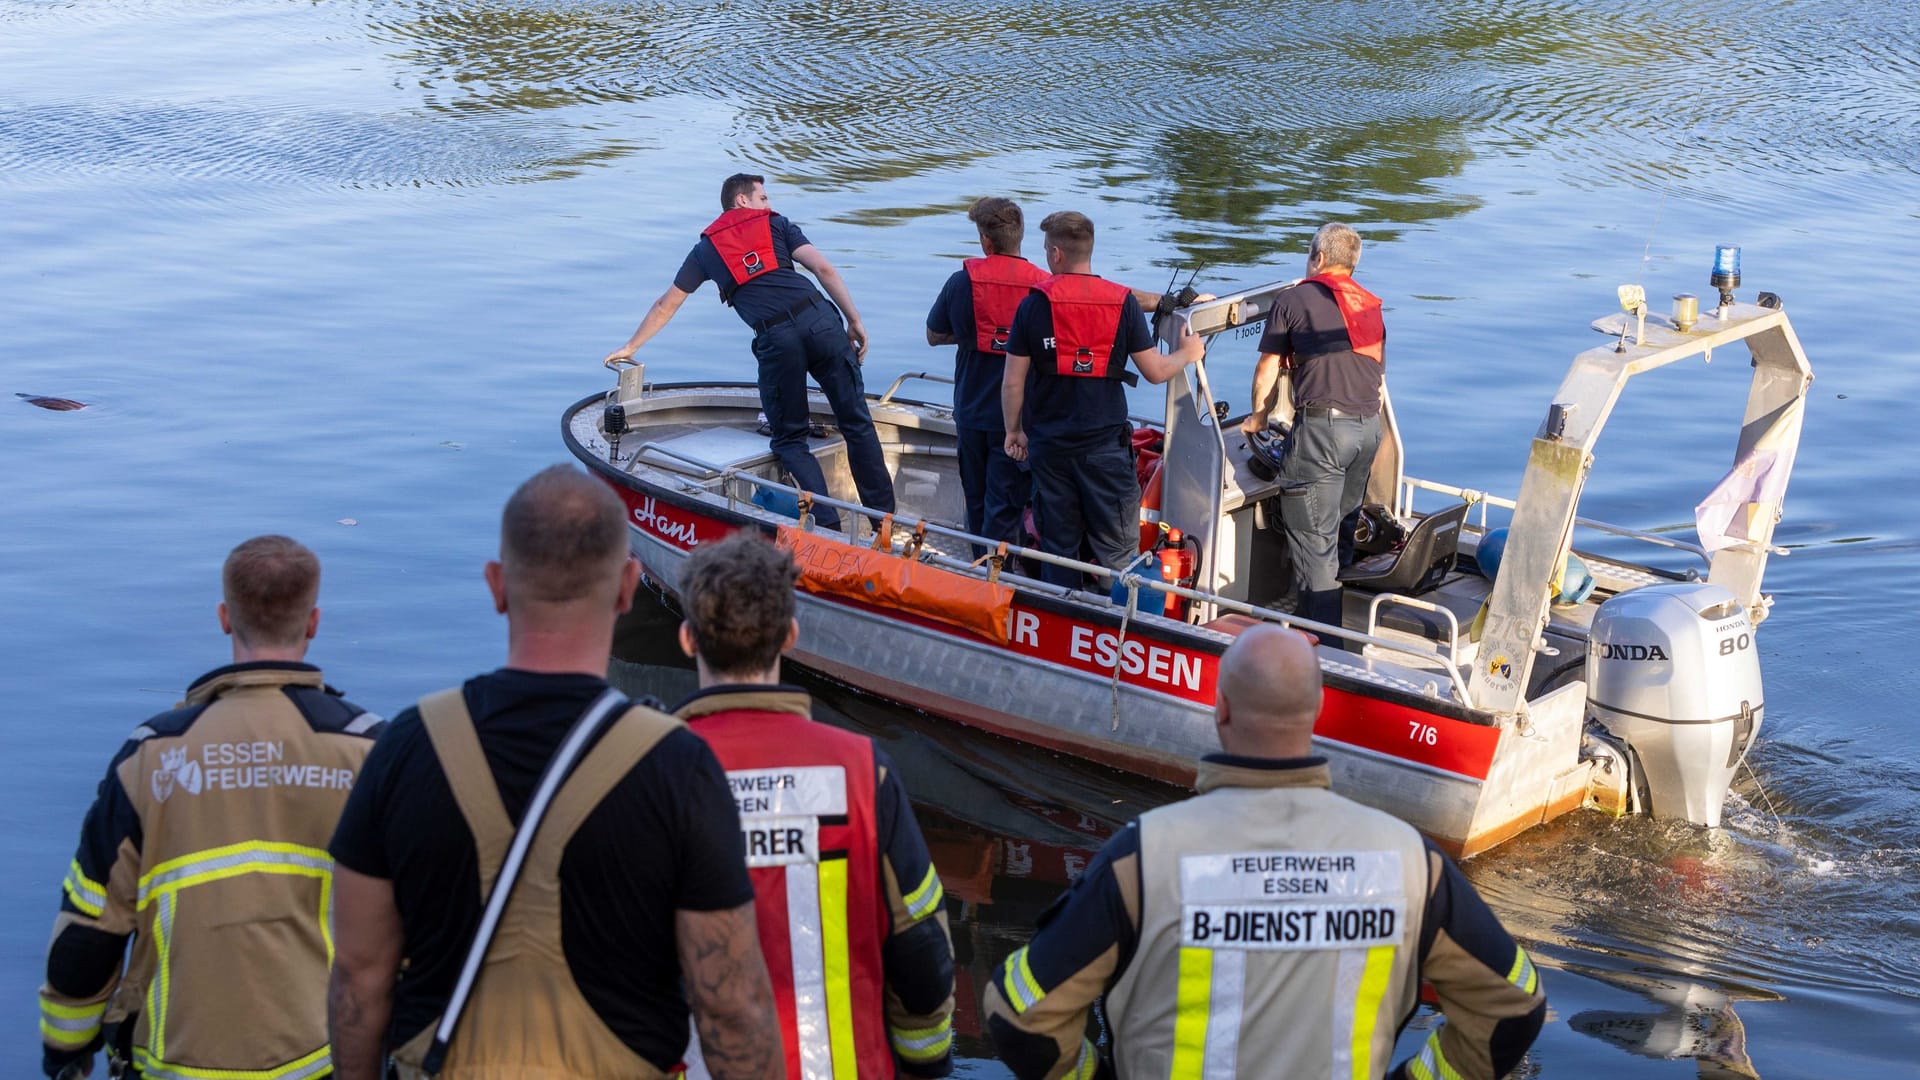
x=334 y=270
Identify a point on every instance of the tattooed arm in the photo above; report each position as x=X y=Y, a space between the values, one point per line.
x=366 y=958
x=727 y=986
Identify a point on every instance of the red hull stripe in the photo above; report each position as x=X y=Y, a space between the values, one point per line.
x=1180 y=671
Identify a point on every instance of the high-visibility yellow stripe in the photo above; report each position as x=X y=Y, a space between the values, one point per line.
x=153 y=1068
x=157 y=990
x=70 y=1027
x=1087 y=1064
x=86 y=894
x=326 y=915
x=837 y=964
x=1523 y=974
x=66 y=1040
x=1431 y=1064
x=72 y=1012
x=233 y=860
x=922 y=1045
x=1193 y=1004
x=922 y=901
x=1366 y=1008
x=1023 y=990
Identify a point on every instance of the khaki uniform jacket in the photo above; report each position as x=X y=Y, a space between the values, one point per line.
x=207 y=843
x=1267 y=927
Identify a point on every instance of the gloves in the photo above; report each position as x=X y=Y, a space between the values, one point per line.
x=1171 y=302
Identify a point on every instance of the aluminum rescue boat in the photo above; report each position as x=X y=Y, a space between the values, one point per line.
x=1470 y=695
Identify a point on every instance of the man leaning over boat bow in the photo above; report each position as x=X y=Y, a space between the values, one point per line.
x=749 y=252
x=1266 y=926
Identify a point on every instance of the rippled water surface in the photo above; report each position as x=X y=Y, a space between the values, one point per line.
x=334 y=270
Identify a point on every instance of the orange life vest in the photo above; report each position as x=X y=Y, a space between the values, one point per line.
x=999 y=282
x=743 y=239
x=1086 y=322
x=1360 y=310
x=806 y=797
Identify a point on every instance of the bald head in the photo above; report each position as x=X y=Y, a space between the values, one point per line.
x=563 y=537
x=1268 y=694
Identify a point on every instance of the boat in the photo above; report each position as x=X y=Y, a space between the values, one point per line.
x=1473 y=696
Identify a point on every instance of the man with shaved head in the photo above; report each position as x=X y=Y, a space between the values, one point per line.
x=633 y=900
x=1266 y=927
x=206 y=846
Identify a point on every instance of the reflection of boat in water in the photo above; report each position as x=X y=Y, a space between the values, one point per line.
x=1643 y=695
x=1695 y=1022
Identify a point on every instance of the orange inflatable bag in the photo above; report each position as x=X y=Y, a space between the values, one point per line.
x=832 y=567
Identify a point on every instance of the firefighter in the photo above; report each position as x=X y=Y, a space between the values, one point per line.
x=631 y=903
x=1064 y=406
x=1266 y=927
x=974 y=313
x=851 y=912
x=1326 y=332
x=748 y=253
x=207 y=845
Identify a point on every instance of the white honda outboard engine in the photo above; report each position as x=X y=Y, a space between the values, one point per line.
x=1672 y=671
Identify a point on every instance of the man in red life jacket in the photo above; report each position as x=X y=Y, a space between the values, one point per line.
x=850 y=910
x=974 y=312
x=1063 y=405
x=749 y=253
x=1327 y=333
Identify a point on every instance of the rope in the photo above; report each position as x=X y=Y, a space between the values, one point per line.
x=1132 y=582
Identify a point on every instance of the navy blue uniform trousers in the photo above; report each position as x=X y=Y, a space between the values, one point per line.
x=996 y=488
x=814 y=342
x=1088 y=495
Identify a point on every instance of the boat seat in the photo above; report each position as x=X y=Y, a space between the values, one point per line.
x=1417 y=565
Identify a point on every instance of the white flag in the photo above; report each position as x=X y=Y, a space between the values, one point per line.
x=1730 y=514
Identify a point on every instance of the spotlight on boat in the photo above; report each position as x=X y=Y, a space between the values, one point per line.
x=1726 y=273
x=615 y=421
x=1672 y=673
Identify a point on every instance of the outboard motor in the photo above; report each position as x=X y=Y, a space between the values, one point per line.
x=1672 y=671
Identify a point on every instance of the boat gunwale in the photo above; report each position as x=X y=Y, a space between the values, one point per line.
x=1213 y=643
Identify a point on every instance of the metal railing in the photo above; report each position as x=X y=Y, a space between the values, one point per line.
x=1485 y=499
x=1132 y=581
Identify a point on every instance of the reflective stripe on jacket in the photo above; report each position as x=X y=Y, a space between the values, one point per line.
x=826 y=896
x=526 y=1015
x=1266 y=927
x=207 y=844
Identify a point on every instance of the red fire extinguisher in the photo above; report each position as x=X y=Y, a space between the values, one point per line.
x=1179 y=565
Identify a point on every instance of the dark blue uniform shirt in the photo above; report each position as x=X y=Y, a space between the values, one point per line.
x=976 y=375
x=766 y=297
x=1066 y=413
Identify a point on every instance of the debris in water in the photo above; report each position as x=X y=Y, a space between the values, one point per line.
x=347 y=521
x=451 y=445
x=57 y=404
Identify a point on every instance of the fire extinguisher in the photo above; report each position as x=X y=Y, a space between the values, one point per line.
x=1179 y=565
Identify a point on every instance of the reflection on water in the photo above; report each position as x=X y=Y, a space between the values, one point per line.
x=316 y=263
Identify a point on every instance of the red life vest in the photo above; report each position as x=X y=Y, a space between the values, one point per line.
x=1086 y=322
x=1360 y=310
x=806 y=797
x=1000 y=282
x=743 y=239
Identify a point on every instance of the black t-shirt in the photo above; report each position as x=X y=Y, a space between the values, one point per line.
x=666 y=837
x=976 y=375
x=768 y=296
x=1306 y=322
x=1065 y=413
